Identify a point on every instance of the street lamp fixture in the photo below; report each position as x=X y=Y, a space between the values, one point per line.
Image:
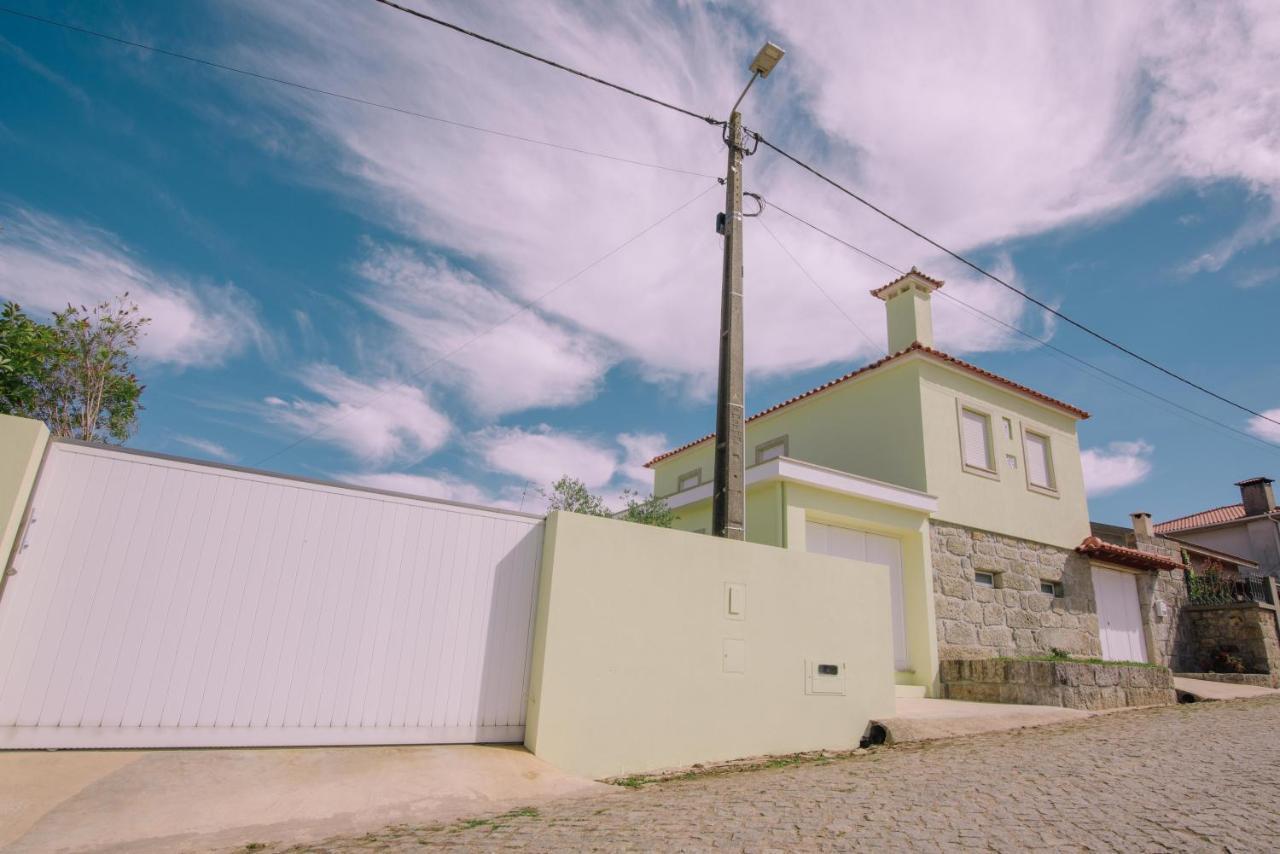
x=768 y=57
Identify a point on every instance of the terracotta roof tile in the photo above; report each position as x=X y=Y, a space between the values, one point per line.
x=1215 y=516
x=1101 y=549
x=916 y=347
x=913 y=272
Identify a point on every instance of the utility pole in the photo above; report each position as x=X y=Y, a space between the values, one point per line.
x=728 y=501
x=728 y=497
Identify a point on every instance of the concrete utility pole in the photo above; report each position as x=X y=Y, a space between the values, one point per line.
x=728 y=498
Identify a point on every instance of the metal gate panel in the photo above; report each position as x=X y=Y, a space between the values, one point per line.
x=163 y=602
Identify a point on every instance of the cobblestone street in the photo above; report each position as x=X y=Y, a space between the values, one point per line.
x=1193 y=777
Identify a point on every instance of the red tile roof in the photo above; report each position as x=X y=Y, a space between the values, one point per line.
x=916 y=347
x=1216 y=516
x=878 y=292
x=1102 y=550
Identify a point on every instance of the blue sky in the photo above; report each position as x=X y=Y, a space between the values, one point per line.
x=313 y=262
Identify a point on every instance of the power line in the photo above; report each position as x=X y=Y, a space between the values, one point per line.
x=993 y=277
x=1102 y=372
x=523 y=308
x=536 y=58
x=814 y=282
x=354 y=99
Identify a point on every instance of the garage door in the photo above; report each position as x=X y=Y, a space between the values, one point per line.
x=853 y=544
x=1119 y=615
x=167 y=603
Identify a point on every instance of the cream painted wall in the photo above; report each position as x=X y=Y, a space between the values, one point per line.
x=629 y=649
x=1004 y=503
x=22 y=444
x=869 y=426
x=911 y=529
x=765 y=518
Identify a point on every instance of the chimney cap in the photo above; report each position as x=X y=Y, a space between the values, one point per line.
x=1254 y=480
x=912 y=278
x=1140 y=513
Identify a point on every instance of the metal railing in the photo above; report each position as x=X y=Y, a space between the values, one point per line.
x=1212 y=588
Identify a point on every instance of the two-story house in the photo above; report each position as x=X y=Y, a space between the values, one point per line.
x=967 y=485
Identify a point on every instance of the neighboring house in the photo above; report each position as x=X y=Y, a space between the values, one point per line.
x=1250 y=529
x=1199 y=559
x=967 y=485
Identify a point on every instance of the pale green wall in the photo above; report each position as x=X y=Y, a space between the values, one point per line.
x=910 y=319
x=868 y=426
x=628 y=672
x=1005 y=505
x=765 y=518
x=22 y=444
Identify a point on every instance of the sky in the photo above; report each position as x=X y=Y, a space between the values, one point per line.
x=461 y=306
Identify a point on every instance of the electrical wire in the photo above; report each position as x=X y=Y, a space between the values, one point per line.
x=1102 y=373
x=993 y=277
x=512 y=316
x=551 y=62
x=354 y=99
x=821 y=289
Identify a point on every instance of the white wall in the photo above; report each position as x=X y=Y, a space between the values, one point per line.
x=629 y=668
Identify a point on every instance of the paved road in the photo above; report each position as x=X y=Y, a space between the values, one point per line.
x=1199 y=777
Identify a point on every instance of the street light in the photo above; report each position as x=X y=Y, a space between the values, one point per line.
x=728 y=497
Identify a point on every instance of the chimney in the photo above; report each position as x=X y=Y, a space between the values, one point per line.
x=907 y=309
x=1257 y=495
x=1142 y=524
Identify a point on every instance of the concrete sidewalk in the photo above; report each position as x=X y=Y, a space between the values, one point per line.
x=920 y=719
x=186 y=800
x=1204 y=689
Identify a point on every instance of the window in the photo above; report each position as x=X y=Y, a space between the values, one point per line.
x=1051 y=588
x=975 y=440
x=689 y=480
x=1011 y=461
x=984 y=579
x=1008 y=428
x=1039 y=461
x=771 y=449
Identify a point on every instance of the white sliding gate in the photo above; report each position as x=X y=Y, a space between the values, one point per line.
x=167 y=603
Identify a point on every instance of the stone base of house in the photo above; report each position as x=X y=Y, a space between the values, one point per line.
x=1073 y=685
x=1257 y=680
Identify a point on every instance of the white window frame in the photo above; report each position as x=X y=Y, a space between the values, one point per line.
x=781 y=441
x=994 y=576
x=1052 y=489
x=961 y=409
x=680 y=487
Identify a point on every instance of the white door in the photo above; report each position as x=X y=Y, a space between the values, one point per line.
x=873 y=548
x=1119 y=615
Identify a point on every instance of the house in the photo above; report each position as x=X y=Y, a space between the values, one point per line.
x=967 y=485
x=1250 y=529
x=1198 y=558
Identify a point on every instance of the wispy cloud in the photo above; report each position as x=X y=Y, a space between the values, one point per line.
x=207 y=447
x=1266 y=428
x=542 y=455
x=377 y=421
x=46 y=263
x=1115 y=466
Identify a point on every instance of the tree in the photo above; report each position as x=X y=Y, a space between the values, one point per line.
x=74 y=374
x=572 y=495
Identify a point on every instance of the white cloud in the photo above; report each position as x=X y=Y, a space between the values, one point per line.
x=376 y=421
x=978 y=123
x=207 y=447
x=1264 y=428
x=542 y=455
x=1115 y=466
x=447 y=488
x=442 y=311
x=46 y=263
x=639 y=449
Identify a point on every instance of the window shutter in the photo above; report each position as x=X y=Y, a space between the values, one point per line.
x=1038 y=461
x=973 y=429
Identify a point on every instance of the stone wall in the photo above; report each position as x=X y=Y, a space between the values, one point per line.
x=1244 y=629
x=1014 y=618
x=1165 y=634
x=1074 y=685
